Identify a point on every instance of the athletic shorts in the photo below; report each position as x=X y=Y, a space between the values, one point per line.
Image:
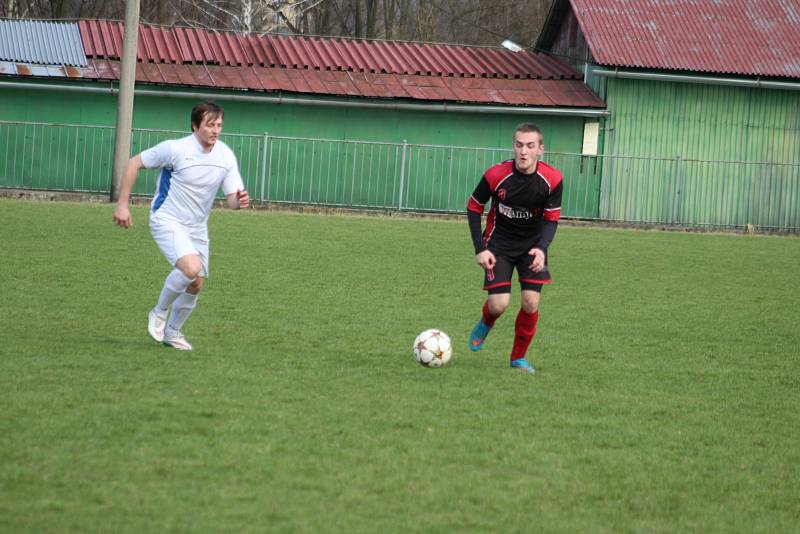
x=176 y=241
x=498 y=279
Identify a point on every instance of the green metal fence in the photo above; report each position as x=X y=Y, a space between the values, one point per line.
x=417 y=177
x=693 y=192
x=58 y=157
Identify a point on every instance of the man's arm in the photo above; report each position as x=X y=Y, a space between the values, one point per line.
x=236 y=196
x=483 y=256
x=475 y=231
x=538 y=252
x=122 y=213
x=548 y=234
x=238 y=200
x=479 y=198
x=552 y=214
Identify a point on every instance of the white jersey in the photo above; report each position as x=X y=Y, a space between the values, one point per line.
x=190 y=179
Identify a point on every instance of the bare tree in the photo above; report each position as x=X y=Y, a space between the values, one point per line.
x=370 y=19
x=61 y=9
x=481 y=22
x=487 y=22
x=233 y=15
x=426 y=22
x=398 y=23
x=484 y=22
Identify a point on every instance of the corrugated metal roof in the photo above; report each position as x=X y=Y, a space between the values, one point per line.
x=368 y=69
x=747 y=37
x=44 y=43
x=31 y=69
x=103 y=40
x=528 y=92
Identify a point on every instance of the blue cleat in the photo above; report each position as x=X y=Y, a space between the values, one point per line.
x=523 y=365
x=478 y=335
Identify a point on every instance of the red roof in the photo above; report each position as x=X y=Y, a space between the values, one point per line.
x=746 y=37
x=342 y=67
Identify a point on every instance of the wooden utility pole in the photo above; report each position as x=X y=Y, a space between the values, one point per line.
x=127 y=80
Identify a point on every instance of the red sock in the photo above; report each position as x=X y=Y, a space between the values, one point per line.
x=524 y=330
x=488 y=318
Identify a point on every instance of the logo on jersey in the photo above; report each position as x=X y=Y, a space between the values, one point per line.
x=514 y=213
x=501 y=194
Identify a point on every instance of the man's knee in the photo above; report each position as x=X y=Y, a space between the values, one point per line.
x=498 y=303
x=530 y=301
x=190 y=266
x=196 y=285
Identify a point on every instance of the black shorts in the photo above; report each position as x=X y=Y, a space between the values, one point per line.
x=498 y=280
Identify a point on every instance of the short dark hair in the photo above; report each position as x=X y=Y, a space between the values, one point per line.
x=528 y=127
x=205 y=108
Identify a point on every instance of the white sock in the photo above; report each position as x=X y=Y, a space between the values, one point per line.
x=175 y=284
x=181 y=310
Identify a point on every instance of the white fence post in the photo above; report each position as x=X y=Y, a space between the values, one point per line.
x=402 y=175
x=264 y=164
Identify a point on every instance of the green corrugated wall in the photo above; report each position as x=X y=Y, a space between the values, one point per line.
x=680 y=153
x=563 y=134
x=706 y=147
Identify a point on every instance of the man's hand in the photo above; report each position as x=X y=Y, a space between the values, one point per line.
x=122 y=216
x=244 y=199
x=485 y=259
x=537 y=265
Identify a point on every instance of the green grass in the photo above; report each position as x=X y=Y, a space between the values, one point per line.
x=667 y=398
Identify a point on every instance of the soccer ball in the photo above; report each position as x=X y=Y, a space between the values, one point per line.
x=432 y=348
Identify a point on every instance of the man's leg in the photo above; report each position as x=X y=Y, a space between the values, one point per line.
x=178 y=280
x=183 y=302
x=525 y=329
x=497 y=282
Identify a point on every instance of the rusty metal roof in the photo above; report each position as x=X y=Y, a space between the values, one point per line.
x=191 y=57
x=103 y=40
x=41 y=43
x=526 y=92
x=746 y=37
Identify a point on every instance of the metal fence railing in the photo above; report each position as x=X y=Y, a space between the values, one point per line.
x=59 y=157
x=417 y=177
x=371 y=174
x=693 y=192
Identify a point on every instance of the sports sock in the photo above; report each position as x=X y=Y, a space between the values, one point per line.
x=524 y=330
x=181 y=310
x=175 y=284
x=488 y=318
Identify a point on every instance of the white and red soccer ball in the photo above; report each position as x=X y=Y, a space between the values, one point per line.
x=433 y=348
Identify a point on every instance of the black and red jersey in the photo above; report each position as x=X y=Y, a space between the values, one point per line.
x=522 y=205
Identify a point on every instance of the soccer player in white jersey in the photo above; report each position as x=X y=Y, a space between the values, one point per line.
x=192 y=171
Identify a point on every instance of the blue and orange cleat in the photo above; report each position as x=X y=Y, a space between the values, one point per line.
x=523 y=365
x=478 y=335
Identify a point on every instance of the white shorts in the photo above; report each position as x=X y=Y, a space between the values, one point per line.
x=176 y=241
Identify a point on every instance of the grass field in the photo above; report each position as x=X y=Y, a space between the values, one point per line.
x=666 y=399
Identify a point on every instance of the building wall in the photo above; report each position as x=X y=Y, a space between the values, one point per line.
x=712 y=122
x=481 y=130
x=467 y=129
x=702 y=153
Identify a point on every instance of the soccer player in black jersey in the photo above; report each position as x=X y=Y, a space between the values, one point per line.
x=521 y=223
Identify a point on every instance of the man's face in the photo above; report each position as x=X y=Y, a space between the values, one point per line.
x=528 y=148
x=209 y=130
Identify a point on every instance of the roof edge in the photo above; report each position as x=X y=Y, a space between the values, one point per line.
x=281 y=98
